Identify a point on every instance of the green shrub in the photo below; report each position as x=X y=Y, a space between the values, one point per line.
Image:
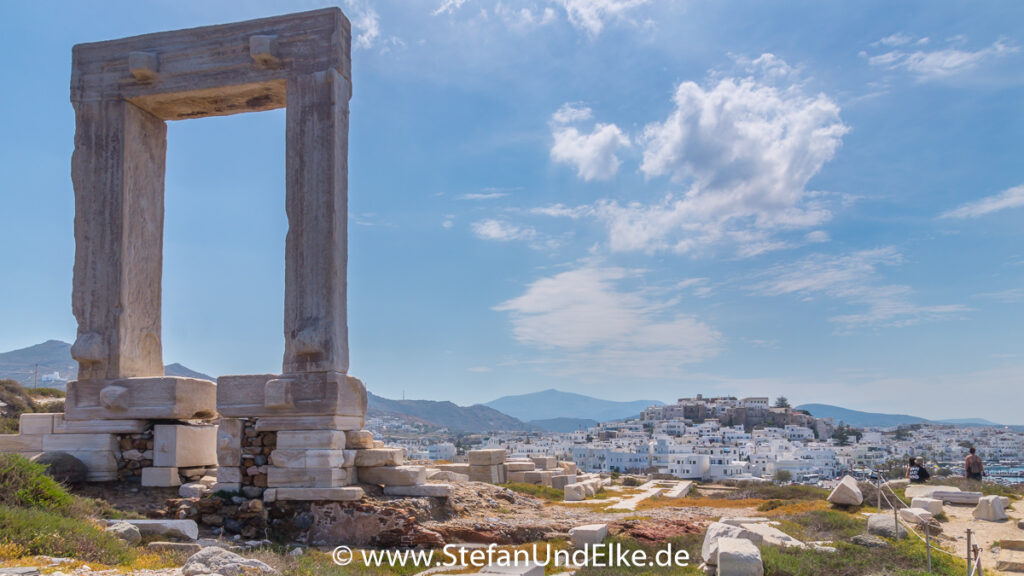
x=905 y=558
x=25 y=484
x=48 y=533
x=766 y=491
x=46 y=392
x=536 y=490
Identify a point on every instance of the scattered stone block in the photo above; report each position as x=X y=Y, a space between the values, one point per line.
x=568 y=467
x=163 y=477
x=559 y=482
x=491 y=474
x=180 y=529
x=216 y=560
x=420 y=490
x=488 y=457
x=379 y=457
x=345 y=494
x=1009 y=560
x=518 y=477
x=869 y=541
x=393 y=475
x=990 y=508
x=311 y=440
x=79 y=442
x=719 y=530
x=446 y=476
x=456 y=468
x=229 y=487
x=575 y=492
x=359 y=439
x=229 y=474
x=933 y=506
x=738 y=557
x=589 y=534
x=916 y=516
x=544 y=462
x=956 y=496
x=773 y=536
x=193 y=490
x=846 y=493
x=520 y=466
x=101 y=465
x=182 y=446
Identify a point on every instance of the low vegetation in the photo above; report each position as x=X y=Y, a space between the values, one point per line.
x=38 y=517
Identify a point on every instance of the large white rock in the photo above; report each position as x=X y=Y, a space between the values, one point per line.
x=125 y=531
x=955 y=496
x=575 y=492
x=216 y=560
x=183 y=529
x=932 y=505
x=379 y=457
x=738 y=557
x=846 y=493
x=718 y=530
x=990 y=508
x=884 y=524
x=193 y=490
x=773 y=536
x=184 y=446
x=590 y=534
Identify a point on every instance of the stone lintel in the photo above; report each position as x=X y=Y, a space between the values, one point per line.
x=165 y=398
x=212 y=69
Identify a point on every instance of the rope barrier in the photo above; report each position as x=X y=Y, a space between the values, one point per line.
x=901 y=521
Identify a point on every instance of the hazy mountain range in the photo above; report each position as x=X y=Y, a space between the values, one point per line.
x=550 y=410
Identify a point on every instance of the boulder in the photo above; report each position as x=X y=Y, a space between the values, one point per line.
x=214 y=560
x=174 y=547
x=933 y=506
x=63 y=467
x=126 y=532
x=885 y=525
x=869 y=541
x=180 y=529
x=990 y=508
x=738 y=557
x=846 y=493
x=926 y=490
x=590 y=534
x=773 y=536
x=717 y=530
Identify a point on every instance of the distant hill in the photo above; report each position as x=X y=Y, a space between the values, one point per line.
x=551 y=404
x=563 y=424
x=860 y=419
x=55 y=356
x=476 y=418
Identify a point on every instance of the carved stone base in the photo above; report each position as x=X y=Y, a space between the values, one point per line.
x=333 y=399
x=159 y=398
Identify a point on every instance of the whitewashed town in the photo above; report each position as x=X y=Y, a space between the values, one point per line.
x=755 y=439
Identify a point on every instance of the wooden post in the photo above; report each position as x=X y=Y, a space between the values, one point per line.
x=970 y=570
x=928 y=544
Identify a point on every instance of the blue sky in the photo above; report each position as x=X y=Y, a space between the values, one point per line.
x=621 y=198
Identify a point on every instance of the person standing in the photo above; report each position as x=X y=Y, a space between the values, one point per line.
x=973 y=468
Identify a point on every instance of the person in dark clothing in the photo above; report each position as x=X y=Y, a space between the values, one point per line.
x=916 y=472
x=973 y=468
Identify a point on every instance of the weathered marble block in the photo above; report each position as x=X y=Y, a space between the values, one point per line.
x=229 y=474
x=311 y=440
x=313 y=458
x=278 y=477
x=162 y=477
x=35 y=424
x=62 y=426
x=491 y=474
x=333 y=395
x=544 y=462
x=182 y=446
x=393 y=475
x=359 y=439
x=420 y=491
x=20 y=443
x=229 y=442
x=486 y=457
x=346 y=494
x=379 y=457
x=159 y=398
x=76 y=442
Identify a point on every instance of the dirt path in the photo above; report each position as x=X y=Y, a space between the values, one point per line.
x=985 y=533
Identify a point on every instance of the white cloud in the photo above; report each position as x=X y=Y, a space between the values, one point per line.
x=593 y=155
x=448 y=7
x=365 y=23
x=483 y=195
x=591 y=15
x=591 y=323
x=499 y=231
x=936 y=64
x=855 y=279
x=1009 y=198
x=524 y=18
x=448 y=222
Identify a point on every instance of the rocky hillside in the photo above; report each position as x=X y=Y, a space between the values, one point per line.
x=476 y=418
x=551 y=404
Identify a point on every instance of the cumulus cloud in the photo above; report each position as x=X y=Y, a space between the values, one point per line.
x=524 y=18
x=591 y=15
x=483 y=195
x=500 y=231
x=934 y=64
x=592 y=154
x=1009 y=198
x=855 y=279
x=449 y=7
x=591 y=322
x=746 y=148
